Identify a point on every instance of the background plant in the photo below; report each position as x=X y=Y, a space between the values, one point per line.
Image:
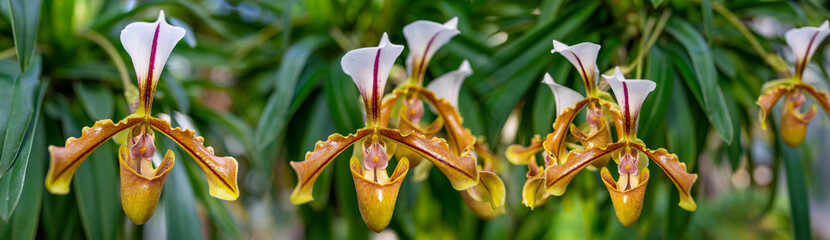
x=261 y=81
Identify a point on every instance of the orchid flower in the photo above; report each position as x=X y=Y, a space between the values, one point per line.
x=804 y=42
x=149 y=45
x=568 y=103
x=424 y=39
x=377 y=192
x=627 y=192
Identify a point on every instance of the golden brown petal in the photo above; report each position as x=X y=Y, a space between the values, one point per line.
x=377 y=201
x=317 y=160
x=555 y=141
x=822 y=97
x=533 y=192
x=628 y=203
x=676 y=172
x=559 y=176
x=65 y=160
x=793 y=125
x=520 y=155
x=462 y=171
x=490 y=189
x=220 y=171
x=140 y=193
x=461 y=137
x=600 y=138
x=767 y=101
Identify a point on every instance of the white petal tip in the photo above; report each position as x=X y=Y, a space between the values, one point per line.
x=452 y=24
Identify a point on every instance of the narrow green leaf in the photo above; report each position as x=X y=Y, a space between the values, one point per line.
x=705 y=84
x=681 y=132
x=23 y=223
x=175 y=90
x=96 y=99
x=12 y=185
x=17 y=109
x=96 y=191
x=25 y=17
x=706 y=8
x=797 y=191
x=215 y=207
x=180 y=203
x=659 y=70
x=275 y=115
x=343 y=100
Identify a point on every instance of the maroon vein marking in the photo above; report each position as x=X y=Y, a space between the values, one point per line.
x=582 y=165
x=375 y=97
x=581 y=69
x=804 y=61
x=434 y=157
x=627 y=113
x=332 y=157
x=85 y=154
x=190 y=151
x=424 y=57
x=148 y=83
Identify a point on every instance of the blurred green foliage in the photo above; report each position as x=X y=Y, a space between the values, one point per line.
x=261 y=80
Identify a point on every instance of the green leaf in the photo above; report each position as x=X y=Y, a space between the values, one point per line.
x=659 y=70
x=12 y=184
x=797 y=190
x=96 y=99
x=681 y=132
x=343 y=100
x=16 y=112
x=215 y=207
x=96 y=192
x=23 y=223
x=25 y=16
x=706 y=8
x=705 y=84
x=180 y=203
x=16 y=108
x=275 y=115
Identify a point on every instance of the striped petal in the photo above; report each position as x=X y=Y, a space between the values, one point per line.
x=804 y=42
x=565 y=97
x=317 y=160
x=65 y=160
x=149 y=46
x=462 y=138
x=369 y=68
x=220 y=171
x=462 y=171
x=584 y=58
x=448 y=86
x=630 y=95
x=424 y=38
x=676 y=171
x=559 y=176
